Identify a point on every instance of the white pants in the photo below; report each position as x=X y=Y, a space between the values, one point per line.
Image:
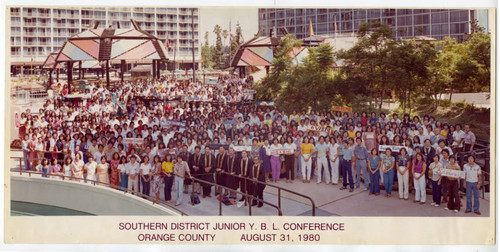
x=133 y=184
x=306 y=167
x=403 y=182
x=419 y=188
x=322 y=162
x=335 y=171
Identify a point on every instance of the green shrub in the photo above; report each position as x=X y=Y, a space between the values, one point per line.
x=445 y=103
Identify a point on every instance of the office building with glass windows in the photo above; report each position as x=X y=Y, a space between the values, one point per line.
x=405 y=23
x=36 y=32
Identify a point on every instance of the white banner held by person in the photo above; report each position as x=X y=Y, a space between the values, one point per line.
x=173 y=123
x=319 y=128
x=133 y=141
x=242 y=148
x=280 y=152
x=452 y=173
x=393 y=148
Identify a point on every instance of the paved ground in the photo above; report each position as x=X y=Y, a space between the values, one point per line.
x=329 y=201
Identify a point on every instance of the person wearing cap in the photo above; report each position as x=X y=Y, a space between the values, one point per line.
x=132 y=169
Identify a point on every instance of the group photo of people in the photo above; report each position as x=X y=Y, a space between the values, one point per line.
x=192 y=138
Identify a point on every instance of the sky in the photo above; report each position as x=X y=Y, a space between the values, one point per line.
x=247 y=17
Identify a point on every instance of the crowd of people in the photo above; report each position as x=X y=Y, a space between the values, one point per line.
x=145 y=133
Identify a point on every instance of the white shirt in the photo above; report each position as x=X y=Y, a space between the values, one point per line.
x=274 y=147
x=333 y=150
x=458 y=135
x=291 y=146
x=145 y=168
x=471 y=172
x=90 y=167
x=132 y=169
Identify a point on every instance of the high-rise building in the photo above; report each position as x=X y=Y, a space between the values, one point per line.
x=36 y=32
x=405 y=23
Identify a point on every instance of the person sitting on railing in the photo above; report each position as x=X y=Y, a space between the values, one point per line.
x=91 y=167
x=43 y=167
x=55 y=168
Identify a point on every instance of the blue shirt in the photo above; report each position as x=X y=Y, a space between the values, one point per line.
x=322 y=149
x=361 y=152
x=348 y=153
x=374 y=161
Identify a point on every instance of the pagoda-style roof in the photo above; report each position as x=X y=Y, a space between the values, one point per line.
x=100 y=44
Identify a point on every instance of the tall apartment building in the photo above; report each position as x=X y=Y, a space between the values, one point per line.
x=36 y=32
x=405 y=23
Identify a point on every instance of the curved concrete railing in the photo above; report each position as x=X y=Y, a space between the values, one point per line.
x=84 y=197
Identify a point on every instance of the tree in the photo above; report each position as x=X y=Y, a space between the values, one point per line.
x=218 y=46
x=207 y=54
x=369 y=59
x=269 y=86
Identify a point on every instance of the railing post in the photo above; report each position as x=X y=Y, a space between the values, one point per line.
x=220 y=201
x=192 y=192
x=279 y=197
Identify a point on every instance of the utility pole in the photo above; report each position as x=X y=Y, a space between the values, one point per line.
x=192 y=41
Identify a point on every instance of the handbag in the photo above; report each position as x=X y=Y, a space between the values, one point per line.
x=195 y=199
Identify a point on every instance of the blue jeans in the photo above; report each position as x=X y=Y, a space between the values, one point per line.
x=179 y=187
x=436 y=192
x=145 y=186
x=124 y=182
x=167 y=191
x=374 y=182
x=388 y=181
x=361 y=167
x=469 y=189
x=27 y=163
x=347 y=171
x=45 y=171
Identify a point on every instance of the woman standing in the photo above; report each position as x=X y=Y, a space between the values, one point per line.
x=275 y=160
x=374 y=163
x=266 y=161
x=145 y=174
x=157 y=175
x=168 y=170
x=77 y=167
x=419 y=168
x=102 y=171
x=115 y=172
x=333 y=156
x=67 y=166
x=289 y=159
x=388 y=171
x=180 y=170
x=434 y=170
x=369 y=139
x=123 y=173
x=452 y=184
x=403 y=174
x=306 y=151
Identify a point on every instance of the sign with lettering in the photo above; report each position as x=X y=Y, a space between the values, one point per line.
x=133 y=141
x=242 y=148
x=280 y=152
x=341 y=109
x=452 y=173
x=228 y=122
x=249 y=91
x=393 y=148
x=319 y=128
x=217 y=146
x=173 y=123
x=265 y=103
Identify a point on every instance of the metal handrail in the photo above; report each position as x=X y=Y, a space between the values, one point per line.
x=94 y=182
x=279 y=191
x=201 y=181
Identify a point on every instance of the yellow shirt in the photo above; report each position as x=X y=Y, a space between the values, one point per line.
x=444 y=133
x=168 y=167
x=351 y=134
x=306 y=148
x=269 y=122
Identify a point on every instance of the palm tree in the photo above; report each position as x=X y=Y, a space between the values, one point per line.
x=217 y=29
x=225 y=34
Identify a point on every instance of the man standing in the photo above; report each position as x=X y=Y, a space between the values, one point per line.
x=132 y=169
x=208 y=163
x=361 y=157
x=221 y=166
x=230 y=176
x=258 y=176
x=244 y=170
x=321 y=160
x=469 y=139
x=196 y=164
x=347 y=156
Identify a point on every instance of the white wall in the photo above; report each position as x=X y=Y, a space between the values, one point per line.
x=98 y=200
